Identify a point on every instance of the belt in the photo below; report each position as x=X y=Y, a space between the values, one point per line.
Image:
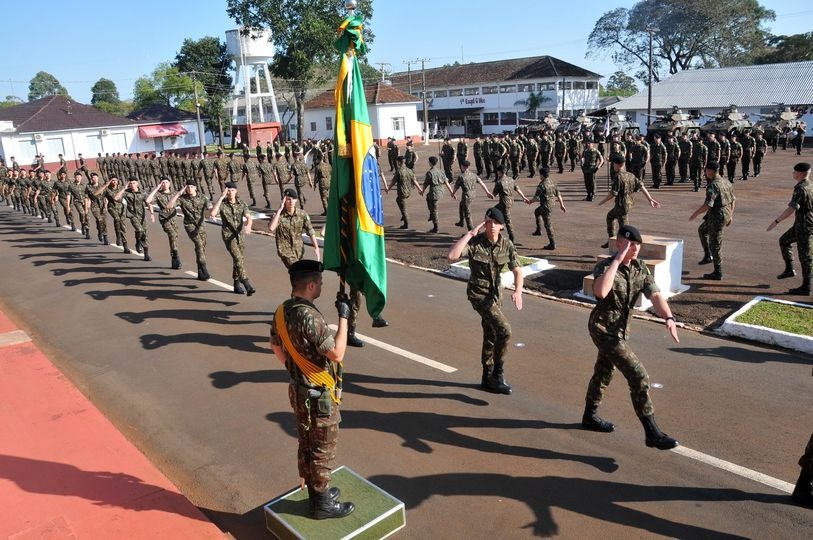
x=306 y=392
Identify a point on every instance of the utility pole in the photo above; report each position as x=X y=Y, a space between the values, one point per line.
x=409 y=72
x=423 y=62
x=383 y=65
x=650 y=31
x=201 y=134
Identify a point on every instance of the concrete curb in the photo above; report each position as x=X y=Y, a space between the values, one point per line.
x=763 y=334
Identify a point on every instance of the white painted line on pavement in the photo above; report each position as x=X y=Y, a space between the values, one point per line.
x=758 y=477
x=212 y=281
x=401 y=352
x=14 y=337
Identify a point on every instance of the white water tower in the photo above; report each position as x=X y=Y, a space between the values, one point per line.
x=251 y=56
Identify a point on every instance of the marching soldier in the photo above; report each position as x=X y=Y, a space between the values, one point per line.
x=801 y=232
x=434 y=182
x=760 y=148
x=447 y=156
x=392 y=152
x=532 y=151
x=162 y=195
x=194 y=205
x=321 y=180
x=657 y=159
x=734 y=156
x=748 y=147
x=135 y=205
x=301 y=176
x=266 y=176
x=281 y=174
x=462 y=152
x=625 y=185
x=467 y=181
x=287 y=226
x=685 y=146
x=232 y=212
x=94 y=204
x=559 y=149
x=546 y=193
x=573 y=150
x=404 y=180
x=251 y=174
x=504 y=188
x=719 y=209
x=592 y=162
x=699 y=159
x=76 y=200
x=478 y=155
x=672 y=158
x=115 y=208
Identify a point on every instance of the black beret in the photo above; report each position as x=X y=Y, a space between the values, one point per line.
x=164 y=178
x=290 y=193
x=500 y=168
x=133 y=179
x=495 y=214
x=713 y=165
x=433 y=160
x=305 y=266
x=544 y=171
x=465 y=163
x=230 y=185
x=630 y=233
x=399 y=158
x=618 y=158
x=802 y=167
x=191 y=182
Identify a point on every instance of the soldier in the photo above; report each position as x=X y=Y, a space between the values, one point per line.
x=221 y=169
x=713 y=147
x=657 y=159
x=487 y=253
x=748 y=147
x=281 y=174
x=251 y=174
x=162 y=195
x=477 y=150
x=592 y=162
x=115 y=208
x=76 y=200
x=462 y=152
x=672 y=158
x=719 y=209
x=206 y=171
x=799 y=140
x=618 y=282
x=287 y=226
x=434 y=182
x=233 y=169
x=546 y=149
x=559 y=148
x=504 y=188
x=303 y=342
x=321 y=180
x=392 y=152
x=447 y=156
x=232 y=212
x=135 y=204
x=699 y=159
x=532 y=152
x=546 y=193
x=638 y=158
x=760 y=148
x=686 y=154
x=94 y=204
x=301 y=175
x=801 y=232
x=45 y=197
x=194 y=206
x=82 y=166
x=735 y=154
x=404 y=179
x=725 y=152
x=467 y=181
x=498 y=153
x=514 y=155
x=410 y=157
x=63 y=165
x=487 y=154
x=573 y=150
x=266 y=176
x=624 y=187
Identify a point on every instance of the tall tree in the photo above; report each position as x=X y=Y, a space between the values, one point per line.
x=168 y=86
x=104 y=91
x=620 y=84
x=303 y=34
x=685 y=34
x=44 y=84
x=10 y=101
x=795 y=48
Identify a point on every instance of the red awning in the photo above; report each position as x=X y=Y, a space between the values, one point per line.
x=161 y=130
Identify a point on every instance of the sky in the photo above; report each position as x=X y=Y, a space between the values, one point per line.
x=81 y=42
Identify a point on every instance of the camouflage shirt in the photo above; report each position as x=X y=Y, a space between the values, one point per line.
x=110 y=195
x=546 y=193
x=713 y=150
x=700 y=152
x=504 y=189
x=719 y=199
x=165 y=213
x=410 y=157
x=685 y=149
x=231 y=215
x=403 y=179
x=135 y=205
x=486 y=262
x=611 y=316
x=802 y=202
x=96 y=201
x=736 y=151
x=282 y=172
x=658 y=152
x=591 y=160
x=77 y=192
x=289 y=234
x=638 y=154
x=748 y=144
x=467 y=182
x=310 y=336
x=300 y=173
x=194 y=209
x=267 y=172
x=624 y=188
x=321 y=175
x=672 y=150
x=252 y=169
x=435 y=180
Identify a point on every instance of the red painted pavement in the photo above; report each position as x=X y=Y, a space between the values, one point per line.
x=66 y=472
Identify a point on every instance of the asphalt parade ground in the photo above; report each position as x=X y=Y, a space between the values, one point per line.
x=184 y=371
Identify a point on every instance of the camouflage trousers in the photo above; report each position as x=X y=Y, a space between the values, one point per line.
x=401 y=202
x=251 y=181
x=731 y=169
x=46 y=208
x=637 y=170
x=355 y=305
x=560 y=162
x=324 y=193
x=317 y=439
x=432 y=205
x=806 y=461
x=514 y=161
x=804 y=246
x=464 y=210
x=478 y=164
x=198 y=236
x=236 y=246
x=683 y=168
x=543 y=216
x=447 y=169
x=670 y=171
x=99 y=218
x=711 y=238
x=496 y=332
x=758 y=163
x=140 y=231
x=119 y=225
x=746 y=164
x=616 y=214
x=614 y=353
x=487 y=164
x=79 y=206
x=696 y=173
x=207 y=179
x=506 y=212
x=574 y=158
x=300 y=193
x=171 y=228
x=589 y=180
x=656 y=167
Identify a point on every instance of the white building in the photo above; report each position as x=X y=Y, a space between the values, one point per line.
x=392 y=113
x=491 y=97
x=753 y=89
x=56 y=125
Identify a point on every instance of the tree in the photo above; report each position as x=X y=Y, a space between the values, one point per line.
x=168 y=86
x=44 y=84
x=532 y=102
x=10 y=101
x=795 y=48
x=104 y=91
x=685 y=34
x=303 y=38
x=619 y=84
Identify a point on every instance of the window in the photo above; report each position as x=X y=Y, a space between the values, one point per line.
x=398 y=124
x=525 y=87
x=578 y=85
x=568 y=85
x=508 y=118
x=54 y=147
x=471 y=91
x=190 y=138
x=93 y=144
x=28 y=149
x=544 y=86
x=659 y=112
x=508 y=88
x=491 y=119
x=489 y=89
x=116 y=142
x=417 y=94
x=329 y=123
x=438 y=93
x=592 y=85
x=456 y=92
x=456 y=122
x=313 y=126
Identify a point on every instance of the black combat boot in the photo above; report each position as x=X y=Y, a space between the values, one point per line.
x=147 y=257
x=496 y=381
x=605 y=245
x=99 y=236
x=203 y=273
x=803 y=290
x=238 y=287
x=434 y=228
x=138 y=245
x=404 y=226
x=333 y=492
x=592 y=421
x=118 y=239
x=267 y=202
x=49 y=219
x=326 y=507
x=789 y=271
x=551 y=246
x=717 y=275
x=655 y=438
x=56 y=221
x=352 y=340
x=803 y=492
x=176 y=261
x=459 y=223
x=706 y=259
x=249 y=289
x=87 y=232
x=73 y=227
x=538 y=231
x=104 y=239
x=253 y=202
x=124 y=245
x=486 y=376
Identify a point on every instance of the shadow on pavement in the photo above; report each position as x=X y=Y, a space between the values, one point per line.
x=200 y=315
x=742 y=354
x=248 y=526
x=237 y=342
x=152 y=295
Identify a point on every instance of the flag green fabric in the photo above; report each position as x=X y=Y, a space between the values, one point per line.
x=354 y=234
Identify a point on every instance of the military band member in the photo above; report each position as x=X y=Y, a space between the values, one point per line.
x=546 y=193
x=719 y=211
x=287 y=226
x=801 y=232
x=232 y=212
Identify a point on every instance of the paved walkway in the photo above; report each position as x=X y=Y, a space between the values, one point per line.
x=66 y=471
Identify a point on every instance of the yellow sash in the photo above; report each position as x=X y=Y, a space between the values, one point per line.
x=315 y=375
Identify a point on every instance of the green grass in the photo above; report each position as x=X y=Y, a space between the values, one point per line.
x=784 y=317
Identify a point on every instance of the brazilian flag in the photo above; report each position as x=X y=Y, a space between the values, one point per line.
x=354 y=235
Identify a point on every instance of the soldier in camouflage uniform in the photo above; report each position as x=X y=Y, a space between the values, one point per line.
x=617 y=283
x=462 y=152
x=803 y=491
x=487 y=142
x=136 y=207
x=713 y=148
x=760 y=148
x=559 y=149
x=194 y=206
x=546 y=193
x=573 y=149
x=700 y=154
x=392 y=152
x=321 y=180
x=404 y=179
x=514 y=155
x=467 y=182
x=801 y=232
x=206 y=169
x=95 y=205
x=504 y=188
x=251 y=173
x=624 y=186
x=546 y=149
x=477 y=150
x=447 y=157
x=287 y=226
x=302 y=177
x=685 y=146
x=532 y=152
x=162 y=195
x=281 y=174
x=734 y=157
x=434 y=182
x=300 y=337
x=592 y=162
x=487 y=254
x=76 y=201
x=45 y=197
x=410 y=157
x=233 y=169
x=266 y=168
x=638 y=158
x=672 y=158
x=221 y=169
x=719 y=209
x=657 y=159
x=115 y=208
x=748 y=147
x=232 y=211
